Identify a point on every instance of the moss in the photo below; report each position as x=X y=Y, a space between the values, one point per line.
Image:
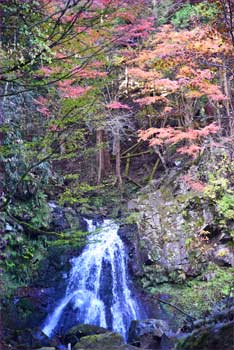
x=185 y=197
x=86 y=329
x=166 y=193
x=100 y=341
x=82 y=330
x=201 y=292
x=209 y=338
x=143 y=197
x=132 y=218
x=46 y=348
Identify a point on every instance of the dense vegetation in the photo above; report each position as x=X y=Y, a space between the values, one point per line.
x=97 y=99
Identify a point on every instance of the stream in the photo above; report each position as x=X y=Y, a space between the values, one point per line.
x=98 y=286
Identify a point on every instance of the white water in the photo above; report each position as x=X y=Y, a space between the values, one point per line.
x=97 y=287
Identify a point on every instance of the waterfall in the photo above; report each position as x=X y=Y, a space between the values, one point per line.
x=98 y=284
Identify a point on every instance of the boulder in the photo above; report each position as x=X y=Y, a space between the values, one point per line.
x=29 y=339
x=46 y=348
x=125 y=347
x=80 y=331
x=106 y=341
x=121 y=347
x=215 y=337
x=148 y=334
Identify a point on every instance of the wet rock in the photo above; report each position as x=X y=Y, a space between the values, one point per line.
x=29 y=339
x=80 y=331
x=105 y=291
x=129 y=235
x=64 y=218
x=121 y=347
x=217 y=337
x=223 y=255
x=46 y=348
x=125 y=347
x=97 y=219
x=106 y=341
x=148 y=334
x=25 y=312
x=215 y=331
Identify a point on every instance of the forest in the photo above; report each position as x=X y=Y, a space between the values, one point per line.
x=116 y=174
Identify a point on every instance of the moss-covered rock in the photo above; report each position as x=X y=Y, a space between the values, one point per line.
x=186 y=254
x=196 y=296
x=28 y=339
x=178 y=233
x=106 y=341
x=218 y=337
x=82 y=330
x=169 y=234
x=46 y=348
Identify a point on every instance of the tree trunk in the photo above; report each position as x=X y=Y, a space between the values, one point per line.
x=1 y=165
x=228 y=102
x=100 y=158
x=1 y=188
x=103 y=156
x=1 y=199
x=118 y=158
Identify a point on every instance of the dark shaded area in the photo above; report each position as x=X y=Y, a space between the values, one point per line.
x=106 y=286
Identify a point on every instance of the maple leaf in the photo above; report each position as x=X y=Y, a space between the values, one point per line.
x=65 y=83
x=212 y=128
x=118 y=105
x=194 y=184
x=74 y=92
x=167 y=84
x=148 y=100
x=100 y=4
x=54 y=128
x=60 y=55
x=46 y=71
x=140 y=29
x=142 y=74
x=191 y=150
x=167 y=109
x=41 y=100
x=170 y=135
x=69 y=91
x=89 y=73
x=42 y=106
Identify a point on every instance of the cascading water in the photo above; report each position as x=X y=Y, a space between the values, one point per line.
x=98 y=286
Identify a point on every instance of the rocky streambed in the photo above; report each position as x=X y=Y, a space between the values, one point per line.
x=214 y=332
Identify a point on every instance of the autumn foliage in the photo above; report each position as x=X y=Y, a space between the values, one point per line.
x=108 y=67
x=171 y=136
x=173 y=79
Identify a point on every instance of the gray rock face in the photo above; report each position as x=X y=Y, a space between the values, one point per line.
x=163 y=234
x=130 y=237
x=148 y=334
x=170 y=233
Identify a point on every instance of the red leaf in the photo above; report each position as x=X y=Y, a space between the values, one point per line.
x=118 y=105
